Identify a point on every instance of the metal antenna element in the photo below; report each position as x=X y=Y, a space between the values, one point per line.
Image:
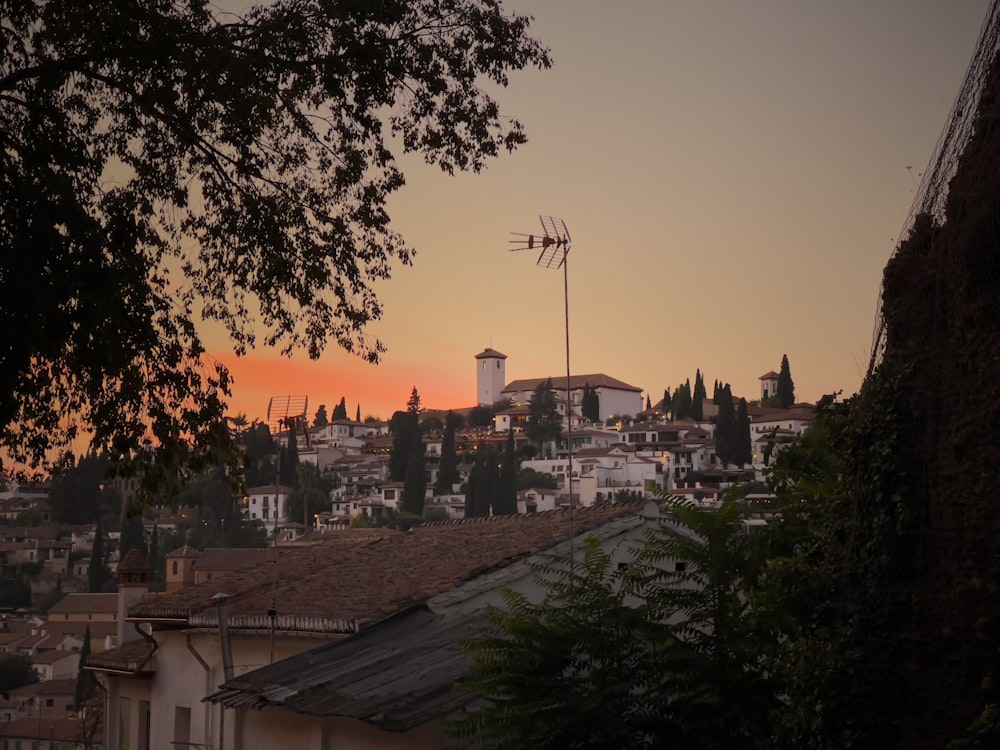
x=283 y=413
x=554 y=243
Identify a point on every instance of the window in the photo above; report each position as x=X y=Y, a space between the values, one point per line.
x=267 y=503
x=680 y=567
x=266 y=512
x=49 y=702
x=173 y=567
x=182 y=726
x=124 y=723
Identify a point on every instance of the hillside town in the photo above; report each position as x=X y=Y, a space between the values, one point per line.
x=599 y=471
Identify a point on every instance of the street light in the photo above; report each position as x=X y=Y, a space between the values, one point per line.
x=553 y=245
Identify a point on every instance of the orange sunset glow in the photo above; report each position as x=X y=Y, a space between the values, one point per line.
x=734 y=175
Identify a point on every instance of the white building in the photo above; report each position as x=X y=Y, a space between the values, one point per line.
x=267 y=503
x=490 y=375
x=614 y=396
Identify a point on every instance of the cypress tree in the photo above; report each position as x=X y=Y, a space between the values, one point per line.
x=725 y=429
x=698 y=397
x=786 y=388
x=98 y=572
x=448 y=466
x=506 y=499
x=415 y=481
x=83 y=677
x=744 y=453
x=340 y=411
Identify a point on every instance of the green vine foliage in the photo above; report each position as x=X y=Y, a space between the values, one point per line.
x=648 y=655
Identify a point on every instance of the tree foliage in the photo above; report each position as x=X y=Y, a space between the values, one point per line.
x=651 y=654
x=448 y=465
x=544 y=421
x=785 y=391
x=590 y=404
x=698 y=397
x=16 y=670
x=682 y=402
x=162 y=163
x=320 y=419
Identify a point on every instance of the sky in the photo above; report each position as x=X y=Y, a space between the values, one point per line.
x=734 y=176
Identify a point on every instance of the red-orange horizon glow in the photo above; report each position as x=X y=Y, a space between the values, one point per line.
x=380 y=391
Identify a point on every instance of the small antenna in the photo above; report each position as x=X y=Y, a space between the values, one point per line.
x=283 y=412
x=554 y=243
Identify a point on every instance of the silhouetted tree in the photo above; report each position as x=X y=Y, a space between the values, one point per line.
x=448 y=465
x=786 y=388
x=744 y=452
x=98 y=572
x=726 y=444
x=544 y=422
x=415 y=479
x=340 y=412
x=698 y=397
x=321 y=419
x=505 y=501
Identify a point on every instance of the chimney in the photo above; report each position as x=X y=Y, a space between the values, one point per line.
x=133 y=584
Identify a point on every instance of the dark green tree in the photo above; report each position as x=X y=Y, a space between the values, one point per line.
x=341 y=411
x=505 y=502
x=405 y=432
x=480 y=488
x=357 y=414
x=84 y=679
x=668 y=402
x=698 y=397
x=170 y=161
x=726 y=443
x=528 y=479
x=681 y=407
x=132 y=534
x=413 y=403
x=590 y=404
x=98 y=572
x=320 y=419
x=16 y=670
x=415 y=479
x=785 y=391
x=744 y=443
x=653 y=654
x=75 y=493
x=482 y=416
x=544 y=422
x=312 y=495
x=154 y=559
x=448 y=465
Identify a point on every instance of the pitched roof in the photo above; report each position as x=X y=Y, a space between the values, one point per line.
x=232 y=558
x=85 y=604
x=598 y=380
x=396 y=675
x=339 y=586
x=129 y=658
x=399 y=673
x=490 y=352
x=772 y=375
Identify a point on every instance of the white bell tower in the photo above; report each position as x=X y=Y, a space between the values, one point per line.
x=491 y=375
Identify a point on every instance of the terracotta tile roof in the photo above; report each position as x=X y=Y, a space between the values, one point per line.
x=51 y=657
x=185 y=551
x=772 y=375
x=489 y=351
x=598 y=380
x=129 y=658
x=62 y=686
x=85 y=604
x=231 y=558
x=338 y=586
x=60 y=730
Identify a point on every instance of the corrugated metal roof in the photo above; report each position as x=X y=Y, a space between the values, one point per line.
x=396 y=675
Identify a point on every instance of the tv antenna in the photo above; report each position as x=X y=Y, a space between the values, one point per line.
x=553 y=245
x=283 y=413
